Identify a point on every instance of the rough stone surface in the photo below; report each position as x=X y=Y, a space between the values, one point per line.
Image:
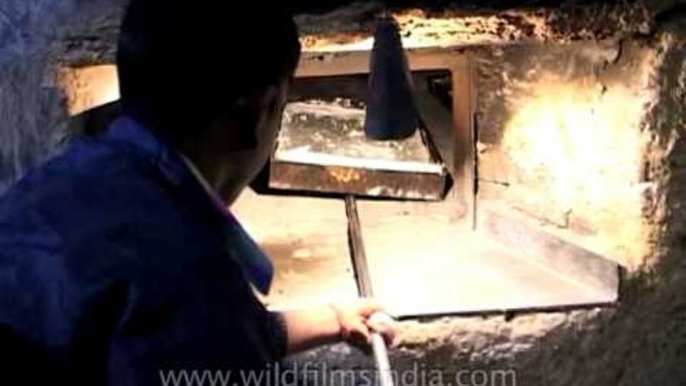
x=34 y=37
x=641 y=342
x=450 y=25
x=569 y=122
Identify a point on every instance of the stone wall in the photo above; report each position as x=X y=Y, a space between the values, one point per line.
x=635 y=64
x=34 y=37
x=563 y=137
x=641 y=341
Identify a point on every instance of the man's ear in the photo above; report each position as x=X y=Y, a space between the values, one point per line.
x=246 y=136
x=242 y=120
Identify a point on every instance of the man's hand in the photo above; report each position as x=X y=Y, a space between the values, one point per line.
x=352 y=322
x=358 y=319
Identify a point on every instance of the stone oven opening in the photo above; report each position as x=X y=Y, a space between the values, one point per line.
x=565 y=124
x=433 y=245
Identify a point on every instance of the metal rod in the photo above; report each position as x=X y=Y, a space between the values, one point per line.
x=364 y=287
x=383 y=364
x=359 y=256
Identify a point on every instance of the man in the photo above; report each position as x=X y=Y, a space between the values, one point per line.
x=118 y=259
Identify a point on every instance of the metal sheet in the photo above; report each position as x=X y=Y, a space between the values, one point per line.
x=362 y=182
x=421 y=263
x=571 y=261
x=322 y=147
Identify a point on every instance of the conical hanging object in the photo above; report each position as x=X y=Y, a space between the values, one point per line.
x=391 y=112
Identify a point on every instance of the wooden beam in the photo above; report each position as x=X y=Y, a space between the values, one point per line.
x=351 y=63
x=464 y=105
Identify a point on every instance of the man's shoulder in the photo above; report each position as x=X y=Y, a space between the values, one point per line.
x=85 y=168
x=89 y=189
x=95 y=211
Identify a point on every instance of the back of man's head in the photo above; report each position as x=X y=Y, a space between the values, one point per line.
x=183 y=62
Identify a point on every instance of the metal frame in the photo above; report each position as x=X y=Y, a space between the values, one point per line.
x=460 y=64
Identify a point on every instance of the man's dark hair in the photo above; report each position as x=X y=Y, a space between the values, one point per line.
x=182 y=63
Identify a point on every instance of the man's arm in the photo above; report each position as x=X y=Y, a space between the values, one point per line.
x=327 y=324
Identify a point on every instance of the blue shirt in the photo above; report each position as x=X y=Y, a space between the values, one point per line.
x=116 y=265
